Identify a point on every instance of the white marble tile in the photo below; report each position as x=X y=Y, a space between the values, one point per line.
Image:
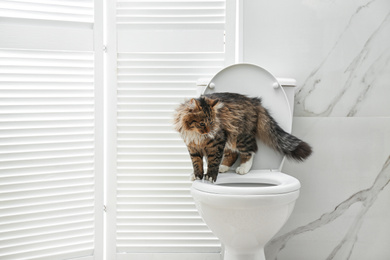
x=317 y=243
x=339 y=51
x=373 y=239
x=345 y=79
x=343 y=194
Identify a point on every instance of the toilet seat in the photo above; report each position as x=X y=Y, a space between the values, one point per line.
x=254 y=81
x=256 y=182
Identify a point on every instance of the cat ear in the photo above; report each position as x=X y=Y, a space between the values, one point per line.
x=195 y=104
x=213 y=102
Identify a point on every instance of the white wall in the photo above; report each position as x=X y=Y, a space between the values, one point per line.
x=339 y=52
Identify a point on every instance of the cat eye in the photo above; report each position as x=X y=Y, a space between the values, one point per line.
x=201 y=124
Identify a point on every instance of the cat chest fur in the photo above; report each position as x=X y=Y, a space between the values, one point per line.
x=195 y=139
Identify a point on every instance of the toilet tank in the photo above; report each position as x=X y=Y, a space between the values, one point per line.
x=288 y=85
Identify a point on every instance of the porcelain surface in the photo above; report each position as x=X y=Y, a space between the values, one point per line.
x=244 y=223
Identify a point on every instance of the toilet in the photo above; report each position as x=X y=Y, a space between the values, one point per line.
x=246 y=211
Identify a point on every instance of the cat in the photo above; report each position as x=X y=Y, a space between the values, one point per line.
x=223 y=126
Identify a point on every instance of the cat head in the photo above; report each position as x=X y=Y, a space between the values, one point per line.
x=198 y=115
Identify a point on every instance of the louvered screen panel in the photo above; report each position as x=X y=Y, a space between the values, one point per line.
x=155 y=211
x=186 y=14
x=46 y=154
x=57 y=10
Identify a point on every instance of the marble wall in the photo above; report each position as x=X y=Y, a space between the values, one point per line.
x=339 y=52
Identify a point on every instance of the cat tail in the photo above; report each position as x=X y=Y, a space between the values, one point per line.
x=269 y=131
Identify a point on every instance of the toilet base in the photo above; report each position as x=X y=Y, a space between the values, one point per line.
x=233 y=254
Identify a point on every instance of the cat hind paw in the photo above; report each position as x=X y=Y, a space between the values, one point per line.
x=245 y=167
x=242 y=170
x=223 y=168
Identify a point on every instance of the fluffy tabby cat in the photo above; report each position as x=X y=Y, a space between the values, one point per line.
x=224 y=126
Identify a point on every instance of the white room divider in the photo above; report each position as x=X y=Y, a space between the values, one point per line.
x=51 y=154
x=54 y=143
x=159 y=49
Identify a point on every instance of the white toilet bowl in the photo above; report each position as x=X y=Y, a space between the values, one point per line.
x=246 y=212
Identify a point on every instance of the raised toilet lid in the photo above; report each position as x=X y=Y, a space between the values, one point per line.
x=253 y=183
x=254 y=81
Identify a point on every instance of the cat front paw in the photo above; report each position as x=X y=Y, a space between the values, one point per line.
x=223 y=168
x=211 y=177
x=194 y=177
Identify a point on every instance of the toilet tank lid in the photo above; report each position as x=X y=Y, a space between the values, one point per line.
x=287 y=82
